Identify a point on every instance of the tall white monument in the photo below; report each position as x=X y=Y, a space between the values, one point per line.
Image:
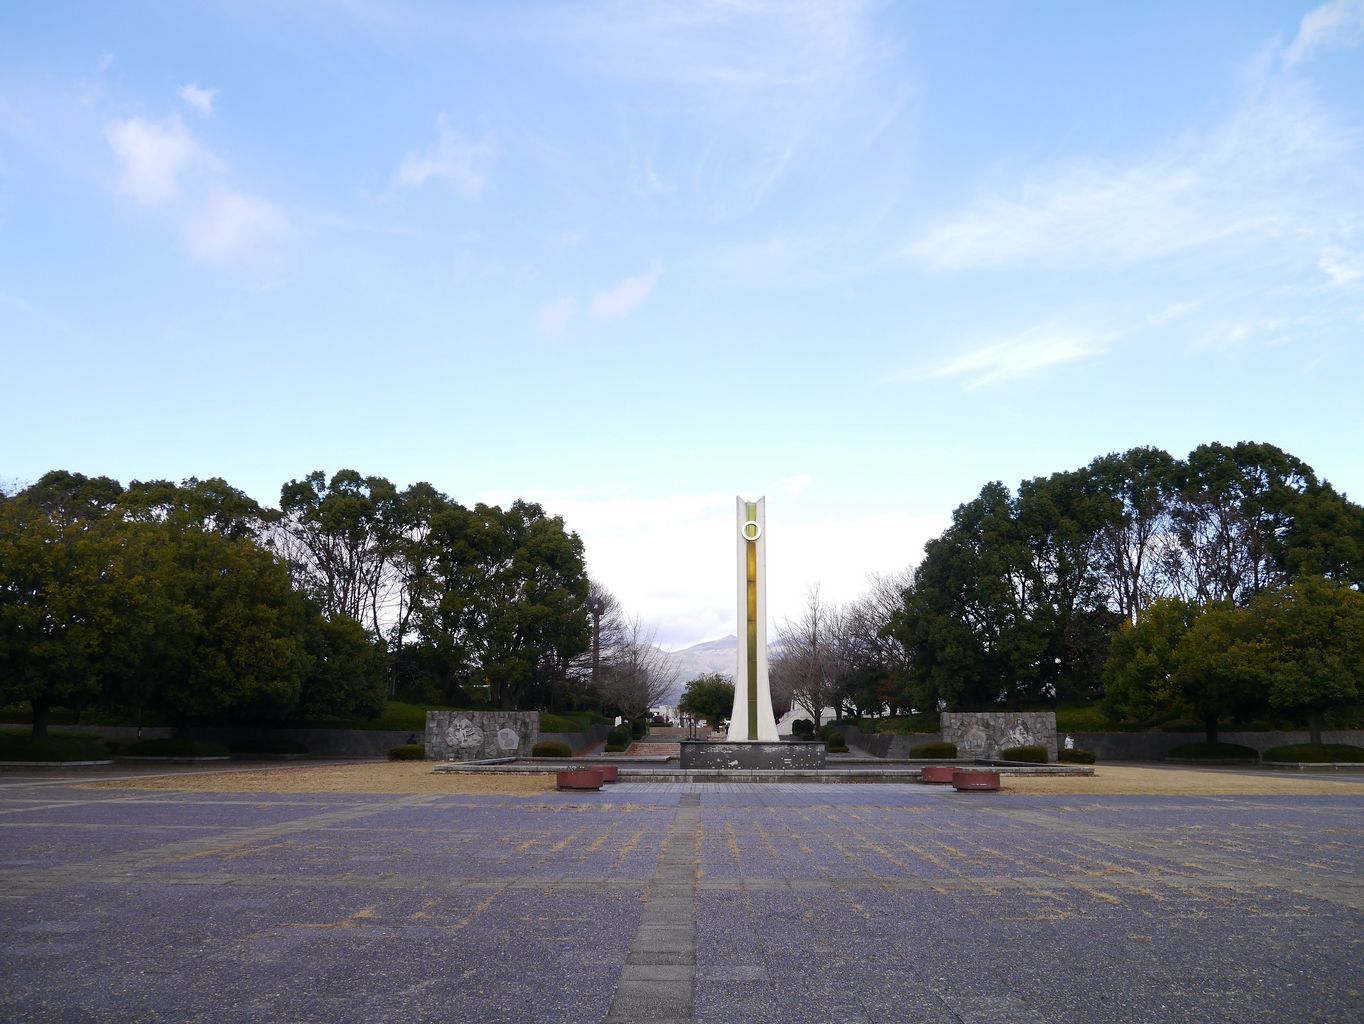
x=752 y=719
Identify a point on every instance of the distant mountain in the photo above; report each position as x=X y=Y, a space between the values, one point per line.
x=713 y=656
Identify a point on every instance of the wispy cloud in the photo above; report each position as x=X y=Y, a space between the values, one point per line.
x=199 y=99
x=1261 y=175
x=1341 y=266
x=161 y=164
x=621 y=300
x=461 y=163
x=767 y=80
x=233 y=229
x=1022 y=355
x=153 y=156
x=1338 y=24
x=555 y=316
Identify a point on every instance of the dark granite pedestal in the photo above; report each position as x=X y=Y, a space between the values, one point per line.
x=724 y=754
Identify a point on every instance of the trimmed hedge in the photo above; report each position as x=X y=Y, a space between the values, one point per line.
x=1214 y=752
x=175 y=746
x=1317 y=753
x=803 y=727
x=1074 y=756
x=837 y=746
x=615 y=748
x=927 y=751
x=1030 y=752
x=408 y=752
x=618 y=737
x=55 y=746
x=551 y=748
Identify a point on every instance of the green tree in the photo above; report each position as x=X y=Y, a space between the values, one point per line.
x=507 y=597
x=1139 y=675
x=339 y=536
x=1216 y=668
x=61 y=588
x=230 y=636
x=347 y=674
x=710 y=697
x=1308 y=647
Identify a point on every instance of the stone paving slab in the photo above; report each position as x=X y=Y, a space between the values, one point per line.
x=717 y=902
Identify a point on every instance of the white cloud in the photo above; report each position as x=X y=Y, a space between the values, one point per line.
x=1338 y=24
x=624 y=298
x=462 y=164
x=201 y=100
x=1264 y=174
x=685 y=582
x=1023 y=355
x=233 y=229
x=555 y=316
x=152 y=157
x=1341 y=266
x=794 y=486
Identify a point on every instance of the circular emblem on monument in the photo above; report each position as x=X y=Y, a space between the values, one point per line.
x=463 y=734
x=508 y=740
x=751 y=530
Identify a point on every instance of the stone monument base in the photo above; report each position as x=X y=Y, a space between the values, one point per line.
x=760 y=755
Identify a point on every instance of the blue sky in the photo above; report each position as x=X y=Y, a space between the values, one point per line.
x=632 y=259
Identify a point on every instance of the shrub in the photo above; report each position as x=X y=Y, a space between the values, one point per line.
x=803 y=727
x=837 y=746
x=638 y=728
x=1032 y=753
x=900 y=724
x=407 y=752
x=1214 y=752
x=564 y=723
x=1074 y=756
x=1088 y=719
x=268 y=746
x=618 y=737
x=551 y=748
x=1316 y=753
x=615 y=748
x=56 y=746
x=933 y=751
x=175 y=746
x=831 y=730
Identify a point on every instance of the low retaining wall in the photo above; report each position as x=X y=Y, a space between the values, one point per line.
x=1152 y=746
x=324 y=742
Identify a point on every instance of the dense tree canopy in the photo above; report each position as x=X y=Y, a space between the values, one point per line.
x=1017 y=601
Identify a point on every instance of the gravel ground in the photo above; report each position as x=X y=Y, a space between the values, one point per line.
x=417 y=777
x=395 y=777
x=223 y=903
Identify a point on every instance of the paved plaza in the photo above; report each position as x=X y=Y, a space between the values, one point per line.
x=713 y=903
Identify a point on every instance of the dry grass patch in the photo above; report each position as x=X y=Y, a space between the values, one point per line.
x=396 y=777
x=1118 y=781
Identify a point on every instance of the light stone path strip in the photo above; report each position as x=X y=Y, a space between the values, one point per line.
x=658 y=982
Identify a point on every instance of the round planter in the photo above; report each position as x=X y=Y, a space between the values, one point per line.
x=578 y=778
x=939 y=774
x=969 y=779
x=609 y=772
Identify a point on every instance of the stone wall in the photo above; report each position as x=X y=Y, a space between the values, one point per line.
x=474 y=735
x=985 y=734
